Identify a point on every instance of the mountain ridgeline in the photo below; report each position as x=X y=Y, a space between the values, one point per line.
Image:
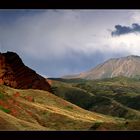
x=27 y=102
x=104 y=98
x=15 y=74
x=125 y=66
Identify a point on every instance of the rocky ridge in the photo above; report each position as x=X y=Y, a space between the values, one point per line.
x=15 y=74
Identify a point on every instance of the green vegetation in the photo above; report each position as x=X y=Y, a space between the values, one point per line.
x=96 y=125
x=1 y=95
x=119 y=96
x=4 y=109
x=76 y=80
x=112 y=104
x=46 y=112
x=74 y=95
x=69 y=107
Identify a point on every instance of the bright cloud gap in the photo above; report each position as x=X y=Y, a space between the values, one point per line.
x=57 y=43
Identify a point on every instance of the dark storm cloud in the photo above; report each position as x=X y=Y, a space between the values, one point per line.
x=120 y=30
x=62 y=42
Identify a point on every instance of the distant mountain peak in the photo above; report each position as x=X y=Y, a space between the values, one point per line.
x=128 y=66
x=133 y=55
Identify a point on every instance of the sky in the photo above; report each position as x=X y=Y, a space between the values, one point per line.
x=63 y=42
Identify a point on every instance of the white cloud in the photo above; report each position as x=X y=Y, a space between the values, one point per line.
x=48 y=34
x=129 y=43
x=53 y=35
x=135 y=16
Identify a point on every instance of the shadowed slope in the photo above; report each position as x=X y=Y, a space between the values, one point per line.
x=15 y=74
x=117 y=96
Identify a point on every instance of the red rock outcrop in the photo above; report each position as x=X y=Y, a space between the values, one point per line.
x=15 y=74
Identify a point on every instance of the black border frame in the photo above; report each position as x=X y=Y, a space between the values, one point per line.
x=70 y=4
x=69 y=135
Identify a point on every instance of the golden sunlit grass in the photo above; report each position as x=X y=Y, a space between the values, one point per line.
x=41 y=110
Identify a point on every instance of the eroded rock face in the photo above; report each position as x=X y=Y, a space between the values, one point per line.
x=15 y=74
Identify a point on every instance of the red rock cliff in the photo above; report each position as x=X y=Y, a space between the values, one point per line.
x=15 y=74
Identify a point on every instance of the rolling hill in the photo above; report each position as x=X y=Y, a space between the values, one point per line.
x=118 y=97
x=32 y=109
x=28 y=101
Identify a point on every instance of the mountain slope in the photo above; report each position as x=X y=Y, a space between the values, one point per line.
x=117 y=96
x=40 y=110
x=15 y=74
x=125 y=66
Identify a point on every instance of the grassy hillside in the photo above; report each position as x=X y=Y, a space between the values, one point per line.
x=40 y=110
x=117 y=97
x=75 y=95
